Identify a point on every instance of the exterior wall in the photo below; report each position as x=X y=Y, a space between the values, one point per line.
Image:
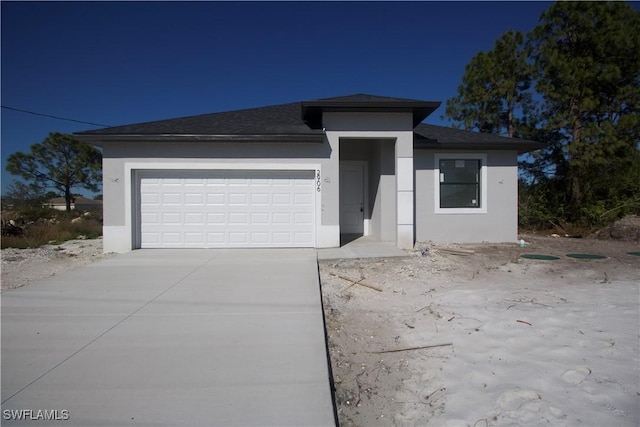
x=404 y=187
x=375 y=191
x=401 y=181
x=498 y=224
x=121 y=160
x=382 y=192
x=397 y=127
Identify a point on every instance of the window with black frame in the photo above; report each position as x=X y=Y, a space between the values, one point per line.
x=460 y=183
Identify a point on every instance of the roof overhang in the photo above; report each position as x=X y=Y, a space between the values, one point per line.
x=521 y=146
x=98 y=139
x=312 y=110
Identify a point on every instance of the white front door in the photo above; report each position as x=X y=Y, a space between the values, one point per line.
x=352 y=197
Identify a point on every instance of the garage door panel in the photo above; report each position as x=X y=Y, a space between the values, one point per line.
x=171 y=219
x=171 y=237
x=150 y=199
x=194 y=218
x=151 y=218
x=260 y=238
x=282 y=218
x=215 y=238
x=260 y=199
x=193 y=238
x=303 y=199
x=260 y=218
x=195 y=182
x=301 y=237
x=194 y=199
x=227 y=209
x=238 y=199
x=303 y=218
x=238 y=218
x=150 y=238
x=216 y=218
x=216 y=199
x=282 y=199
x=171 y=199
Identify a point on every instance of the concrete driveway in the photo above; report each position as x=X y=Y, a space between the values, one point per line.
x=170 y=338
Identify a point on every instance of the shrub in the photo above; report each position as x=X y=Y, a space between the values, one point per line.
x=42 y=233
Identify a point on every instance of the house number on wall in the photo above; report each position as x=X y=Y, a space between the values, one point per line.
x=318 y=181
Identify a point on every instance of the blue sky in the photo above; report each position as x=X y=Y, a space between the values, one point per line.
x=118 y=63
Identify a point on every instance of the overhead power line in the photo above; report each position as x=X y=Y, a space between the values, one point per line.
x=54 y=117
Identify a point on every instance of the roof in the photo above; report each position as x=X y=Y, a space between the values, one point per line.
x=440 y=137
x=312 y=110
x=277 y=122
x=300 y=122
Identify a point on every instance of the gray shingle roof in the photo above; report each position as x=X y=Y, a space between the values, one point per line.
x=299 y=122
x=366 y=98
x=276 y=119
x=312 y=110
x=439 y=137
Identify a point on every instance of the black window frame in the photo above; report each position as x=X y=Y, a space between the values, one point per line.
x=469 y=184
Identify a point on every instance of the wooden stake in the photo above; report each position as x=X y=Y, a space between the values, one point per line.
x=357 y=282
x=456 y=251
x=422 y=347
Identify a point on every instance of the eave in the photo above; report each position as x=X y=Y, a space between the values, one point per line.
x=521 y=147
x=312 y=110
x=97 y=139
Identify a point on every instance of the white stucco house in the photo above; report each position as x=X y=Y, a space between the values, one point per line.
x=78 y=203
x=303 y=174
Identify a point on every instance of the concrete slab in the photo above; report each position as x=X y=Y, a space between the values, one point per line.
x=171 y=338
x=362 y=247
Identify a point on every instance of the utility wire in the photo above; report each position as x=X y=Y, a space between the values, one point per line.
x=53 y=117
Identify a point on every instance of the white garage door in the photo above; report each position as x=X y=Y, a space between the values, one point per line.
x=216 y=209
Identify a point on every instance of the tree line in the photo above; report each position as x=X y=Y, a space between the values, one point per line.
x=573 y=83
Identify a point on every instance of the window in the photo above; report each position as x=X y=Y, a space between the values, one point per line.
x=460 y=183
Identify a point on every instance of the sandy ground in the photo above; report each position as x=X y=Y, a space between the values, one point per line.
x=22 y=266
x=524 y=342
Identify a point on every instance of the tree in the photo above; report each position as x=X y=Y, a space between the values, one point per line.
x=588 y=74
x=60 y=163
x=21 y=195
x=581 y=65
x=495 y=88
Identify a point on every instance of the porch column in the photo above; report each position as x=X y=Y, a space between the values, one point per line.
x=404 y=188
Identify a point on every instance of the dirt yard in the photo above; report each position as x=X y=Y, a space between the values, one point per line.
x=515 y=341
x=22 y=266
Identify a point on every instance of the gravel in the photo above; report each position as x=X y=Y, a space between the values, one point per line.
x=23 y=266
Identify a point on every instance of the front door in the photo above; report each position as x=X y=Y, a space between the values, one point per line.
x=352 y=197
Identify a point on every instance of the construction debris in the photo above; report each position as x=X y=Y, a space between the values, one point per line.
x=356 y=282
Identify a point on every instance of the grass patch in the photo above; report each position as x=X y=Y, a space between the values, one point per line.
x=40 y=234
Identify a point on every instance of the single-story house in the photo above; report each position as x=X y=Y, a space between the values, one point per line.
x=303 y=174
x=78 y=203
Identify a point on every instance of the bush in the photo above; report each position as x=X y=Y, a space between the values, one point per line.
x=38 y=213
x=42 y=233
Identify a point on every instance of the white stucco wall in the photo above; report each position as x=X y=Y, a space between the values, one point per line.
x=121 y=160
x=383 y=192
x=498 y=224
x=397 y=127
x=402 y=203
